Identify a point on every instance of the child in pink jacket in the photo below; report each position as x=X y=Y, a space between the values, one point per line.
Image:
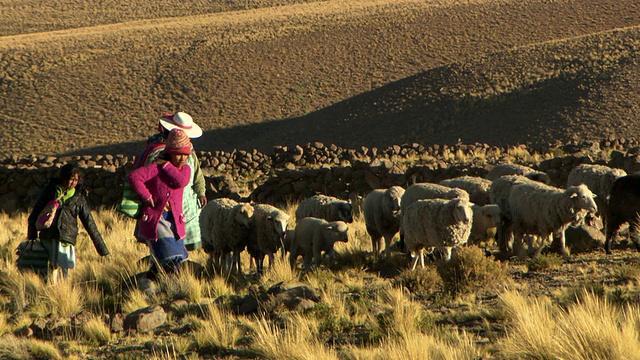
x=160 y=186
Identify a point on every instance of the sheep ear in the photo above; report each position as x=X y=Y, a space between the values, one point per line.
x=573 y=196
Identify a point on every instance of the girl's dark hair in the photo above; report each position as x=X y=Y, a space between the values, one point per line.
x=67 y=171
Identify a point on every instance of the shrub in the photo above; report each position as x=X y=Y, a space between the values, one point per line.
x=470 y=270
x=544 y=262
x=419 y=281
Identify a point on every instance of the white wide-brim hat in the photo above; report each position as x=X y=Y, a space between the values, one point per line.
x=182 y=121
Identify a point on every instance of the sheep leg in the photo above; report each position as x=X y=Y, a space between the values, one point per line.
x=292 y=258
x=272 y=258
x=387 y=245
x=563 y=245
x=376 y=244
x=307 y=260
x=415 y=261
x=447 y=253
x=518 y=245
x=633 y=234
x=259 y=263
x=503 y=237
x=611 y=230
x=235 y=264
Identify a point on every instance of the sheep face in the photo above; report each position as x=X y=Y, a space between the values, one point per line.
x=338 y=231
x=462 y=211
x=345 y=212
x=244 y=214
x=582 y=198
x=391 y=200
x=491 y=214
x=279 y=224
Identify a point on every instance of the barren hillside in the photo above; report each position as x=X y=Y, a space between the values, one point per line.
x=358 y=72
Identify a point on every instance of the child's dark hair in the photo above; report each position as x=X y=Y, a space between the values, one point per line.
x=67 y=171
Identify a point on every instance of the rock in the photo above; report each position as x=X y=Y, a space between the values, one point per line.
x=81 y=318
x=299 y=304
x=24 y=331
x=146 y=319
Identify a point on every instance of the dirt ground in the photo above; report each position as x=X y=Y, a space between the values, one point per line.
x=93 y=78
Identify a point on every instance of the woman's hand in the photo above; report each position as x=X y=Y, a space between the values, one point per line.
x=148 y=202
x=202 y=200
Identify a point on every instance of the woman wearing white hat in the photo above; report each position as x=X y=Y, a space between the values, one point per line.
x=194 y=197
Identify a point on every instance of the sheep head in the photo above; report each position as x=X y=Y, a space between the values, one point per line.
x=279 y=224
x=243 y=214
x=338 y=231
x=391 y=200
x=462 y=211
x=345 y=212
x=581 y=198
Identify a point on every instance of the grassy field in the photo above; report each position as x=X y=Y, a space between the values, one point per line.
x=93 y=77
x=473 y=307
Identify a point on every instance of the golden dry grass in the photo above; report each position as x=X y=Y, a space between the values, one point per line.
x=369 y=316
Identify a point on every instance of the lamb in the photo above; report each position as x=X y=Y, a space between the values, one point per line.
x=225 y=226
x=382 y=216
x=624 y=207
x=477 y=187
x=542 y=210
x=436 y=223
x=314 y=236
x=267 y=233
x=515 y=169
x=599 y=179
x=486 y=219
x=325 y=207
x=420 y=191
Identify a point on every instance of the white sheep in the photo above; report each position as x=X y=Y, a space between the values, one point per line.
x=421 y=191
x=314 y=236
x=477 y=187
x=225 y=226
x=499 y=195
x=382 y=216
x=542 y=210
x=325 y=207
x=436 y=223
x=515 y=169
x=599 y=179
x=267 y=233
x=486 y=219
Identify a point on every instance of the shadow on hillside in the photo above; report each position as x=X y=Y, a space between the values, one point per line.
x=413 y=109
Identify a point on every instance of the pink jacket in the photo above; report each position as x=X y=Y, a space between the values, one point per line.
x=164 y=183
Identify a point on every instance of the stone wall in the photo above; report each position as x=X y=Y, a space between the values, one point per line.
x=290 y=174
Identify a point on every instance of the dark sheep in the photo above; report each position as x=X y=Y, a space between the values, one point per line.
x=624 y=207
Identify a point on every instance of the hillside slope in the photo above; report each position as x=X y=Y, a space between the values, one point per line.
x=358 y=72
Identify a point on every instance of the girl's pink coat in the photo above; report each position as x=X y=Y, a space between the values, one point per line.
x=162 y=183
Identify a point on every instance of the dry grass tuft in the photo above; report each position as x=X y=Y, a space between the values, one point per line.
x=470 y=270
x=544 y=262
x=183 y=285
x=419 y=280
x=96 y=331
x=64 y=298
x=295 y=340
x=591 y=328
x=219 y=331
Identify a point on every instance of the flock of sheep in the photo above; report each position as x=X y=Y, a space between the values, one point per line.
x=514 y=204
